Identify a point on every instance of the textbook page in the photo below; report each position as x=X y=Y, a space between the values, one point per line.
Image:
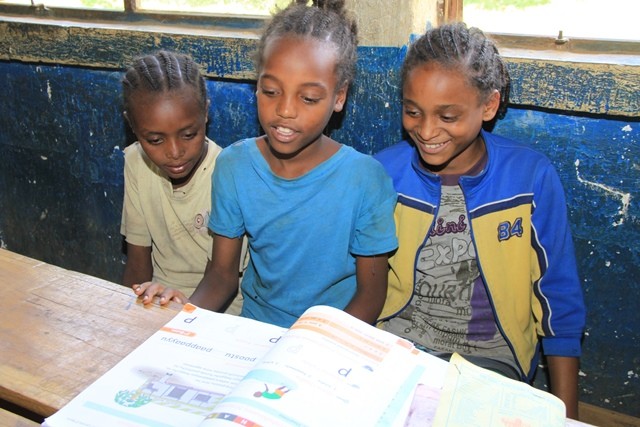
x=473 y=396
x=330 y=369
x=176 y=377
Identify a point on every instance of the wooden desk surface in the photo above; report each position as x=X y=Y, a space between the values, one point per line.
x=60 y=330
x=9 y=419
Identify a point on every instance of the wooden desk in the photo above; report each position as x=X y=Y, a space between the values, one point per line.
x=9 y=419
x=60 y=330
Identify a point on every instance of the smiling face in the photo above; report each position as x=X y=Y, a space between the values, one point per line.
x=170 y=127
x=297 y=94
x=443 y=114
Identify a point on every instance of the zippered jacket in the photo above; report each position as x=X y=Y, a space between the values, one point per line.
x=519 y=226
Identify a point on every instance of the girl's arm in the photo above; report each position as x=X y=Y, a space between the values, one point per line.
x=138 y=268
x=138 y=273
x=219 y=285
x=563 y=376
x=216 y=289
x=371 y=275
x=561 y=287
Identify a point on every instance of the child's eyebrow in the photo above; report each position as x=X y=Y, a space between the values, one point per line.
x=306 y=84
x=148 y=132
x=408 y=101
x=447 y=106
x=268 y=77
x=315 y=84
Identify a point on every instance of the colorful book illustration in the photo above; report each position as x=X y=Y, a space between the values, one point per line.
x=210 y=369
x=205 y=369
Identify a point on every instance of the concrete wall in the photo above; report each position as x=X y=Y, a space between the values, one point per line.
x=62 y=135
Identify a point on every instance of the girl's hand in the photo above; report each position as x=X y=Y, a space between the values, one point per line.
x=148 y=290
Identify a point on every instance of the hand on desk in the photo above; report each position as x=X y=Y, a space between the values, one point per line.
x=148 y=290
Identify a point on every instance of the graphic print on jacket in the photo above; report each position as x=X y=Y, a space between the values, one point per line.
x=450 y=309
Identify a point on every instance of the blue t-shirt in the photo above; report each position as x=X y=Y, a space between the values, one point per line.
x=303 y=233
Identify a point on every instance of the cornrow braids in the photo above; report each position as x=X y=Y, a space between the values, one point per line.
x=326 y=21
x=161 y=72
x=467 y=50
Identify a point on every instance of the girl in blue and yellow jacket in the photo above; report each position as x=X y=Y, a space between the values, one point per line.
x=485 y=266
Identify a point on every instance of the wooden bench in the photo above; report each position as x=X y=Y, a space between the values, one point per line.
x=598 y=416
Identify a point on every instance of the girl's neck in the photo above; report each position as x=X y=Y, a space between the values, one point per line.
x=301 y=162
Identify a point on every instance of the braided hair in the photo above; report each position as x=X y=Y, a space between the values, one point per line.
x=326 y=21
x=469 y=51
x=164 y=72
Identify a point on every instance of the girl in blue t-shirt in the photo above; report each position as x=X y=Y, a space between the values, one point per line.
x=318 y=215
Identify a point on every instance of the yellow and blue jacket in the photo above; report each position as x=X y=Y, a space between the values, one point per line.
x=518 y=218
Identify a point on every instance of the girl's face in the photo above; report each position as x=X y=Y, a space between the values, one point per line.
x=297 y=93
x=443 y=114
x=170 y=127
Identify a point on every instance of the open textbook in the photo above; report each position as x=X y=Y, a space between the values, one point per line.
x=476 y=397
x=209 y=369
x=205 y=369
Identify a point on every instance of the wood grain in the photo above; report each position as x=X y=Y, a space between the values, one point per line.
x=60 y=330
x=9 y=419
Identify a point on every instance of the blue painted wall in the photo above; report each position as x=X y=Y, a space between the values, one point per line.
x=61 y=141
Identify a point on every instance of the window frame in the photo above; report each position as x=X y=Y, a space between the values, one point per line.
x=453 y=10
x=133 y=16
x=612 y=68
x=446 y=11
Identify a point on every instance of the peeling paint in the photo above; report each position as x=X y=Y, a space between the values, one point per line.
x=625 y=198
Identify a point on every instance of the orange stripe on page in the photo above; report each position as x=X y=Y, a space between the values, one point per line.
x=189 y=308
x=406 y=344
x=363 y=344
x=178 y=331
x=377 y=353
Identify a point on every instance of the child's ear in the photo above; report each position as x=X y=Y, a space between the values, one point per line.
x=491 y=106
x=128 y=119
x=341 y=98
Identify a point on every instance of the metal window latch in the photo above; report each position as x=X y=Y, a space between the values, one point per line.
x=561 y=39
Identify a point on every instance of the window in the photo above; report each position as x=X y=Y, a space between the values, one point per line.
x=561 y=19
x=73 y=4
x=232 y=7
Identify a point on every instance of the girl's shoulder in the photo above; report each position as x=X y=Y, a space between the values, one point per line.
x=239 y=150
x=399 y=148
x=214 y=148
x=396 y=157
x=500 y=147
x=359 y=166
x=241 y=159
x=136 y=160
x=133 y=151
x=241 y=145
